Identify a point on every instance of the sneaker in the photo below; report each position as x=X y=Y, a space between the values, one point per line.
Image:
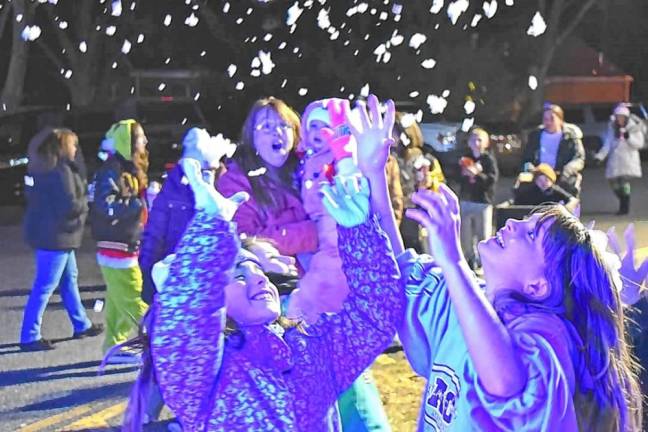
x=93 y=330
x=125 y=358
x=39 y=345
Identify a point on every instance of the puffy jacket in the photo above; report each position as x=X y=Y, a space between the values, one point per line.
x=570 y=160
x=289 y=226
x=57 y=207
x=622 y=151
x=483 y=188
x=167 y=221
x=266 y=379
x=117 y=211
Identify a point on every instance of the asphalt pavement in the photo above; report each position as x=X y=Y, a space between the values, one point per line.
x=61 y=389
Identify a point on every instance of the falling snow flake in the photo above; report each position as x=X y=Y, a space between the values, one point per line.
x=538 y=25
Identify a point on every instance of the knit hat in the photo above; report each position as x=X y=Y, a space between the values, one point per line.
x=318 y=113
x=622 y=110
x=545 y=170
x=118 y=138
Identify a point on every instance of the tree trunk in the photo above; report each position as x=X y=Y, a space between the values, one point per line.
x=12 y=91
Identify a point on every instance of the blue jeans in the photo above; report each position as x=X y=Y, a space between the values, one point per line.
x=361 y=409
x=53 y=269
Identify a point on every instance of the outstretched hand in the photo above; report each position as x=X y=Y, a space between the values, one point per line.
x=207 y=198
x=438 y=213
x=634 y=278
x=373 y=133
x=347 y=200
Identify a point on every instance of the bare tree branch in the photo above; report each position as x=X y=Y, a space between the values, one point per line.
x=4 y=15
x=63 y=38
x=569 y=28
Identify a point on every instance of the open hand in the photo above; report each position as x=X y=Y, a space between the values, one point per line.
x=438 y=213
x=347 y=201
x=634 y=278
x=373 y=133
x=207 y=198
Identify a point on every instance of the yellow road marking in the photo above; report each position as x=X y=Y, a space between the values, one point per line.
x=96 y=420
x=55 y=419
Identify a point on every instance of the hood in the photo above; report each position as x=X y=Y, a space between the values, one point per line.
x=314 y=110
x=118 y=139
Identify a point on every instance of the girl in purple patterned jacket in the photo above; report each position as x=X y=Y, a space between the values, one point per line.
x=223 y=362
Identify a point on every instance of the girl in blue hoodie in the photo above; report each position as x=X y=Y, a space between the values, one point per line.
x=539 y=347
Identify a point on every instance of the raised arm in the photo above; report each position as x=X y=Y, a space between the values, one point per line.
x=187 y=338
x=487 y=339
x=112 y=199
x=353 y=338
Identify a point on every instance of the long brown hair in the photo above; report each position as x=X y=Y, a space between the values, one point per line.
x=248 y=160
x=413 y=133
x=47 y=148
x=140 y=159
x=584 y=292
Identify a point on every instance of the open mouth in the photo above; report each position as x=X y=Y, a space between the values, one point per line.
x=265 y=295
x=277 y=146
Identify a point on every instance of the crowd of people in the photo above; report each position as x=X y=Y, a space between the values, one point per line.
x=262 y=286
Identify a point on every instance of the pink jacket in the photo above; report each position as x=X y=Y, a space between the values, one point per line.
x=288 y=227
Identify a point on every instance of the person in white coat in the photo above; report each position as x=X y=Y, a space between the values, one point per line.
x=621 y=147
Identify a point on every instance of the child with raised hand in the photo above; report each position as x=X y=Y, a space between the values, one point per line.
x=541 y=348
x=253 y=374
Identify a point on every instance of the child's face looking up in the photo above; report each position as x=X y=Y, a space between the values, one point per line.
x=314 y=137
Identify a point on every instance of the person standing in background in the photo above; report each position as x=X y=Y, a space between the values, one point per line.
x=54 y=219
x=118 y=215
x=621 y=148
x=479 y=174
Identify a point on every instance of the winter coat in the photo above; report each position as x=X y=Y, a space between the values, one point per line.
x=263 y=378
x=570 y=160
x=622 y=150
x=482 y=190
x=118 y=210
x=57 y=207
x=167 y=221
x=289 y=227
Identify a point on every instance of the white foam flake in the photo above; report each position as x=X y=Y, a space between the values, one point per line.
x=140 y=38
x=414 y=94
x=417 y=40
x=83 y=46
x=445 y=93
x=490 y=8
x=510 y=2
x=116 y=8
x=364 y=91
x=383 y=16
x=203 y=53
x=437 y=104
x=467 y=124
x=126 y=46
x=231 y=70
x=456 y=8
x=257 y=172
x=191 y=20
x=240 y=85
x=19 y=18
x=294 y=12
x=267 y=37
x=475 y=20
x=323 y=20
x=396 y=39
x=538 y=25
x=114 y=65
x=397 y=9
x=437 y=5
x=469 y=107
x=407 y=120
x=266 y=62
x=302 y=91
x=282 y=45
x=167 y=60
x=161 y=87
x=428 y=63
x=167 y=20
x=197 y=96
x=362 y=7
x=284 y=82
x=226 y=7
x=68 y=74
x=533 y=82
x=31 y=33
x=255 y=73
x=63 y=25
x=110 y=30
